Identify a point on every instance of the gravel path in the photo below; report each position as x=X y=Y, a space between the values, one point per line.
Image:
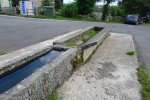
x=109 y=75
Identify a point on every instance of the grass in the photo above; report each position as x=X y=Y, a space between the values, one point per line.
x=144 y=80
x=54 y=96
x=91 y=34
x=72 y=19
x=131 y=53
x=2 y=52
x=84 y=38
x=64 y=18
x=71 y=44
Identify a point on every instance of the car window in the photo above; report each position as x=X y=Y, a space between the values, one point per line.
x=130 y=17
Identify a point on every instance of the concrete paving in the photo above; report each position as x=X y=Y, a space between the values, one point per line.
x=109 y=75
x=16 y=33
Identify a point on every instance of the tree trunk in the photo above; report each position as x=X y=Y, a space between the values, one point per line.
x=105 y=11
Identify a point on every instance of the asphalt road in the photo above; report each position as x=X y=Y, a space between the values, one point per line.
x=16 y=33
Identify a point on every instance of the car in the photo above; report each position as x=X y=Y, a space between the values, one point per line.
x=134 y=19
x=146 y=18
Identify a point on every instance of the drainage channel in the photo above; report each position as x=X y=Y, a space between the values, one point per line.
x=14 y=78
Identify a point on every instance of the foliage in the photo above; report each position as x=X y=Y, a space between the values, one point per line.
x=105 y=11
x=84 y=38
x=69 y=10
x=71 y=44
x=98 y=8
x=106 y=8
x=58 y=4
x=117 y=11
x=47 y=2
x=54 y=96
x=136 y=6
x=15 y=3
x=89 y=35
x=85 y=7
x=2 y=51
x=144 y=80
x=131 y=53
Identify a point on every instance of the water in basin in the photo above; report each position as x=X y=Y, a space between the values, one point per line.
x=14 y=78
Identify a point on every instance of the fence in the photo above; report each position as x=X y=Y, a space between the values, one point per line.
x=8 y=10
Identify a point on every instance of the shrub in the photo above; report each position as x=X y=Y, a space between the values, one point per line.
x=116 y=11
x=69 y=10
x=85 y=7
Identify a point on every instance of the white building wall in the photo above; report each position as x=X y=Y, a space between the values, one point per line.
x=37 y=3
x=4 y=3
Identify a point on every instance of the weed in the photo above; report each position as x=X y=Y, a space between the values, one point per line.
x=71 y=44
x=89 y=35
x=54 y=96
x=144 y=80
x=84 y=38
x=2 y=52
x=131 y=53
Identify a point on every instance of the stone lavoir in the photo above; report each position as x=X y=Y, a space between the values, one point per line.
x=14 y=78
x=34 y=72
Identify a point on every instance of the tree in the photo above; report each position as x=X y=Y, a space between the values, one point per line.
x=117 y=11
x=58 y=4
x=136 y=6
x=106 y=8
x=47 y=2
x=15 y=3
x=69 y=10
x=85 y=7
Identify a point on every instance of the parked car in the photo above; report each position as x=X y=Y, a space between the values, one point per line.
x=134 y=19
x=146 y=18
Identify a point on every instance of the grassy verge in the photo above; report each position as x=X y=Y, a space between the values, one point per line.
x=64 y=18
x=144 y=80
x=71 y=19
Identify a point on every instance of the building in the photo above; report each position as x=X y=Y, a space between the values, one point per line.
x=37 y=3
x=5 y=3
x=6 y=6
